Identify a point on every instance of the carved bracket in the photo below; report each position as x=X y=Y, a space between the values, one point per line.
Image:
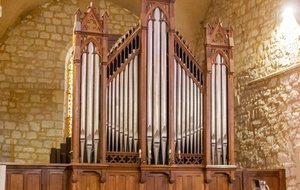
x=209 y=174
x=144 y=175
x=75 y=176
x=77 y=173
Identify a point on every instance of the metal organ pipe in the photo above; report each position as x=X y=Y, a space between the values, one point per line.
x=89 y=111
x=178 y=105
x=175 y=106
x=130 y=104
x=126 y=109
x=156 y=85
x=163 y=90
x=83 y=105
x=183 y=110
x=117 y=112
x=109 y=116
x=187 y=116
x=224 y=112
x=219 y=111
x=135 y=103
x=213 y=117
x=90 y=108
x=201 y=122
x=188 y=112
x=113 y=113
x=96 y=106
x=122 y=106
x=149 y=88
x=122 y=111
x=194 y=130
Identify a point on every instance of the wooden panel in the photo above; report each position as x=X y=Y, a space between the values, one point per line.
x=122 y=181
x=157 y=182
x=238 y=182
x=111 y=183
x=186 y=181
x=55 y=181
x=89 y=181
x=198 y=183
x=15 y=182
x=33 y=181
x=132 y=182
x=219 y=182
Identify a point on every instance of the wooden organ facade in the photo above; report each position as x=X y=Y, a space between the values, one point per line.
x=148 y=107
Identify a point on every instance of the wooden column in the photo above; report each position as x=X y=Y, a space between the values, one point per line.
x=102 y=130
x=230 y=99
x=76 y=89
x=171 y=89
x=142 y=86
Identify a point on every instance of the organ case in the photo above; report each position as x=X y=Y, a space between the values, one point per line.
x=148 y=105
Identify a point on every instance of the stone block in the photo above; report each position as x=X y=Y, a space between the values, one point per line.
x=56 y=37
x=48 y=14
x=10 y=125
x=51 y=29
x=58 y=96
x=31 y=135
x=35 y=126
x=44 y=35
x=16 y=134
x=54 y=133
x=36 y=143
x=47 y=124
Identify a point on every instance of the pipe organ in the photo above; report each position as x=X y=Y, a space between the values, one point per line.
x=148 y=102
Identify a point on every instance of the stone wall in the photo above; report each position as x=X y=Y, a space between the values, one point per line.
x=267 y=104
x=32 y=78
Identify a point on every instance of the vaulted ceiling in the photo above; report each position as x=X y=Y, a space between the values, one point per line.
x=188 y=12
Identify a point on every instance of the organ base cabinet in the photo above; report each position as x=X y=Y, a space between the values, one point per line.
x=36 y=177
x=117 y=177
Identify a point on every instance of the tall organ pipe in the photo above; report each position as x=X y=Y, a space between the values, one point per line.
x=224 y=112
x=175 y=106
x=183 y=110
x=122 y=111
x=126 y=109
x=96 y=106
x=218 y=112
x=90 y=89
x=83 y=105
x=156 y=82
x=213 y=117
x=117 y=112
x=187 y=116
x=163 y=90
x=135 y=102
x=149 y=88
x=130 y=104
x=90 y=81
x=178 y=131
x=113 y=113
